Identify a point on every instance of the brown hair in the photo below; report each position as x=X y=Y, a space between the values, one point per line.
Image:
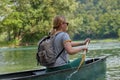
x=56 y=23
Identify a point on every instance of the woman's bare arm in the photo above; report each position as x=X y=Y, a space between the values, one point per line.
x=77 y=43
x=73 y=50
x=80 y=43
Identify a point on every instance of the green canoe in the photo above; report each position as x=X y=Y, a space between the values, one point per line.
x=92 y=69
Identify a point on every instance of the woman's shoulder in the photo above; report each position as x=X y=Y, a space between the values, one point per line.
x=64 y=33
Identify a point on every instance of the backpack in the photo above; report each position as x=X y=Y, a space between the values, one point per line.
x=46 y=54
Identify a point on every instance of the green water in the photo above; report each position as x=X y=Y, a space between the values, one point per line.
x=23 y=58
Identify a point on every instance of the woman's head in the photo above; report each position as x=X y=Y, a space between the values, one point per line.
x=58 y=22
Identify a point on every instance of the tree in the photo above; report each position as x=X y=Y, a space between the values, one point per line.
x=100 y=18
x=33 y=18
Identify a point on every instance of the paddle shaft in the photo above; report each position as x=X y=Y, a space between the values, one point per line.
x=83 y=57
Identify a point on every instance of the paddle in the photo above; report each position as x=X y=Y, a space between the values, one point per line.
x=83 y=57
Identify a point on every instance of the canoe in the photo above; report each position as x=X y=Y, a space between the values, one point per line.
x=92 y=69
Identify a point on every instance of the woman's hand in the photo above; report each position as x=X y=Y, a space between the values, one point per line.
x=85 y=48
x=87 y=40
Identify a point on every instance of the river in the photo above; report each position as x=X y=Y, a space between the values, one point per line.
x=23 y=58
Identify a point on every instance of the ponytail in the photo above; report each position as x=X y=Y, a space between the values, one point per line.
x=52 y=31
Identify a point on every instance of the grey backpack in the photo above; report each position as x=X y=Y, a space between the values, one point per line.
x=46 y=54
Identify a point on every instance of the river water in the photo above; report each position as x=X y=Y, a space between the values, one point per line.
x=23 y=58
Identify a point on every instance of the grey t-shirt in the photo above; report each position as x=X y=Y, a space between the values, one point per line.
x=59 y=45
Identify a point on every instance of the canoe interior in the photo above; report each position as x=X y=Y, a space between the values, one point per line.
x=97 y=63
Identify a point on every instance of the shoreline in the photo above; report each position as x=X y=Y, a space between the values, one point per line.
x=10 y=45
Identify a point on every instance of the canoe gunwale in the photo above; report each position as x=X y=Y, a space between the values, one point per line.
x=31 y=72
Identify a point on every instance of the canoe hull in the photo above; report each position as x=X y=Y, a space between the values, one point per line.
x=92 y=70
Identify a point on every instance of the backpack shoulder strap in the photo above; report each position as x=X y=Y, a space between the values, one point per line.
x=60 y=53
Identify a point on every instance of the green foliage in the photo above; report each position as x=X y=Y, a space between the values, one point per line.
x=100 y=19
x=29 y=20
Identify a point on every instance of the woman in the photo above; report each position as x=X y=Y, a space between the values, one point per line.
x=62 y=40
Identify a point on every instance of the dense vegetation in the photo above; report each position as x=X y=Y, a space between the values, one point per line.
x=26 y=21
x=101 y=18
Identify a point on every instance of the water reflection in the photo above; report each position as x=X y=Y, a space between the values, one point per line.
x=23 y=58
x=17 y=59
x=105 y=45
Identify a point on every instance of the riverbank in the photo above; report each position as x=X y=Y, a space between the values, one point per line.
x=11 y=44
x=105 y=40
